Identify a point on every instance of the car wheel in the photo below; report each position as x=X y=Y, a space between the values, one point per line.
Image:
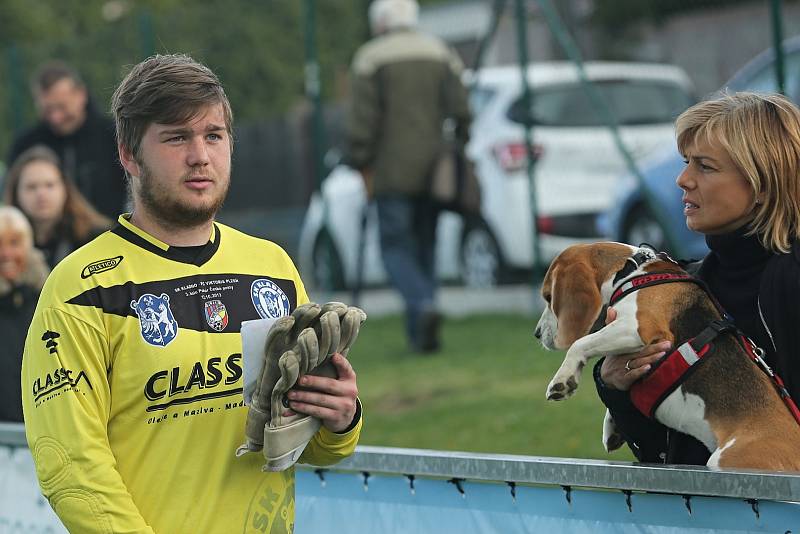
x=328 y=272
x=481 y=261
x=643 y=227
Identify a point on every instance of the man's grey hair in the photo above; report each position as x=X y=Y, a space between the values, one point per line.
x=388 y=15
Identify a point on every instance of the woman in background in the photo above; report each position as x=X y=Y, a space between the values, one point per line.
x=62 y=219
x=22 y=275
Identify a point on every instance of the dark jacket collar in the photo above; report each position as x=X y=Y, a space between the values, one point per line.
x=736 y=250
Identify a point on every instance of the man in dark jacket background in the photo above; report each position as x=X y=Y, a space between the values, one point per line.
x=82 y=136
x=404 y=85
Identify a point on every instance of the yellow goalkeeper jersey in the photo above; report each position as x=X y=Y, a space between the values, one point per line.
x=132 y=386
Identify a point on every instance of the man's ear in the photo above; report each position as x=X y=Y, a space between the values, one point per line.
x=576 y=302
x=128 y=161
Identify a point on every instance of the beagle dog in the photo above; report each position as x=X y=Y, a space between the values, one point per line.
x=724 y=399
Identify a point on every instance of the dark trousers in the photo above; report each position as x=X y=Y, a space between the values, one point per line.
x=407 y=228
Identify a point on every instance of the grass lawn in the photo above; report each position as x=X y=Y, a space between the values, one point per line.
x=485 y=392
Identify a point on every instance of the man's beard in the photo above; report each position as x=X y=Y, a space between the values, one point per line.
x=171 y=211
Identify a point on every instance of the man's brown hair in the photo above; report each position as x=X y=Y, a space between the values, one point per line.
x=164 y=89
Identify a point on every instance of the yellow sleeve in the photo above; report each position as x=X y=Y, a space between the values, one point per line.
x=66 y=402
x=327 y=447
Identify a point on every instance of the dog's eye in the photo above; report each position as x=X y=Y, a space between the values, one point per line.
x=546 y=298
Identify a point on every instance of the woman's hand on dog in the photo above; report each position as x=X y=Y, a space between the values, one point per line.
x=622 y=370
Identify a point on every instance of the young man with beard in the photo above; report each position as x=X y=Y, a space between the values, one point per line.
x=132 y=373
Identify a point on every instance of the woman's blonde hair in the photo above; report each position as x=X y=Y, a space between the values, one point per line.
x=80 y=217
x=761 y=134
x=13 y=220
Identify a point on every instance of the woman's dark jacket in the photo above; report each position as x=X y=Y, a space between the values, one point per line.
x=17 y=303
x=761 y=290
x=63 y=242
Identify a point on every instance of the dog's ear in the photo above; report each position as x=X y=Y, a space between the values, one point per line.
x=576 y=302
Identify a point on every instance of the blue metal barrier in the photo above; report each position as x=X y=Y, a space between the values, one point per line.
x=414 y=491
x=385 y=490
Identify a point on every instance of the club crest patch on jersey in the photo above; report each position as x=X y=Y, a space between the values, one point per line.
x=216 y=314
x=269 y=300
x=157 y=323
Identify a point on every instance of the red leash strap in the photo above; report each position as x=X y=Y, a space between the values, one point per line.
x=787 y=399
x=756 y=353
x=667 y=374
x=645 y=280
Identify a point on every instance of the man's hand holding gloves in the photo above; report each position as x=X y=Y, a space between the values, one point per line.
x=298 y=344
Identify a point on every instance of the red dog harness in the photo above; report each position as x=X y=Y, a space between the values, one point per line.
x=672 y=370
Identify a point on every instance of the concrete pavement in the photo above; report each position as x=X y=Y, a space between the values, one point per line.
x=453 y=301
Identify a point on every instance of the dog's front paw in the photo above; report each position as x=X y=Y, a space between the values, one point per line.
x=560 y=389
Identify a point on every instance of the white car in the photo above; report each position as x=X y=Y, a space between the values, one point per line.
x=576 y=170
x=336 y=266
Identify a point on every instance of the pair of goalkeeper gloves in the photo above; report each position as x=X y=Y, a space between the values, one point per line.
x=298 y=344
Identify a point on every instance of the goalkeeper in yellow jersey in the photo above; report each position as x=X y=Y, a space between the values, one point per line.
x=132 y=372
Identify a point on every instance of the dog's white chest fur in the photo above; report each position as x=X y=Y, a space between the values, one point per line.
x=686 y=412
x=715 y=457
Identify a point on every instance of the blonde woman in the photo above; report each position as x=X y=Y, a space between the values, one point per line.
x=741 y=189
x=22 y=274
x=62 y=219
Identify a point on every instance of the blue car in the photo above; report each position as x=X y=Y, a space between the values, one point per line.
x=654 y=214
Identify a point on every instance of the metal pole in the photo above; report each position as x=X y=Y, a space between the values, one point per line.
x=313 y=92
x=313 y=89
x=498 y=7
x=527 y=104
x=147 y=45
x=358 y=280
x=777 y=40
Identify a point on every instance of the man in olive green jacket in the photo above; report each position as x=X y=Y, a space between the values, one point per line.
x=404 y=85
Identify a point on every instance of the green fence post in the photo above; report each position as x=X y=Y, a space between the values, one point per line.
x=777 y=40
x=313 y=89
x=527 y=102
x=313 y=92
x=15 y=84
x=498 y=7
x=147 y=45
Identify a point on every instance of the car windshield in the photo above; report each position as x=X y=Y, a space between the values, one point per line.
x=630 y=101
x=764 y=80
